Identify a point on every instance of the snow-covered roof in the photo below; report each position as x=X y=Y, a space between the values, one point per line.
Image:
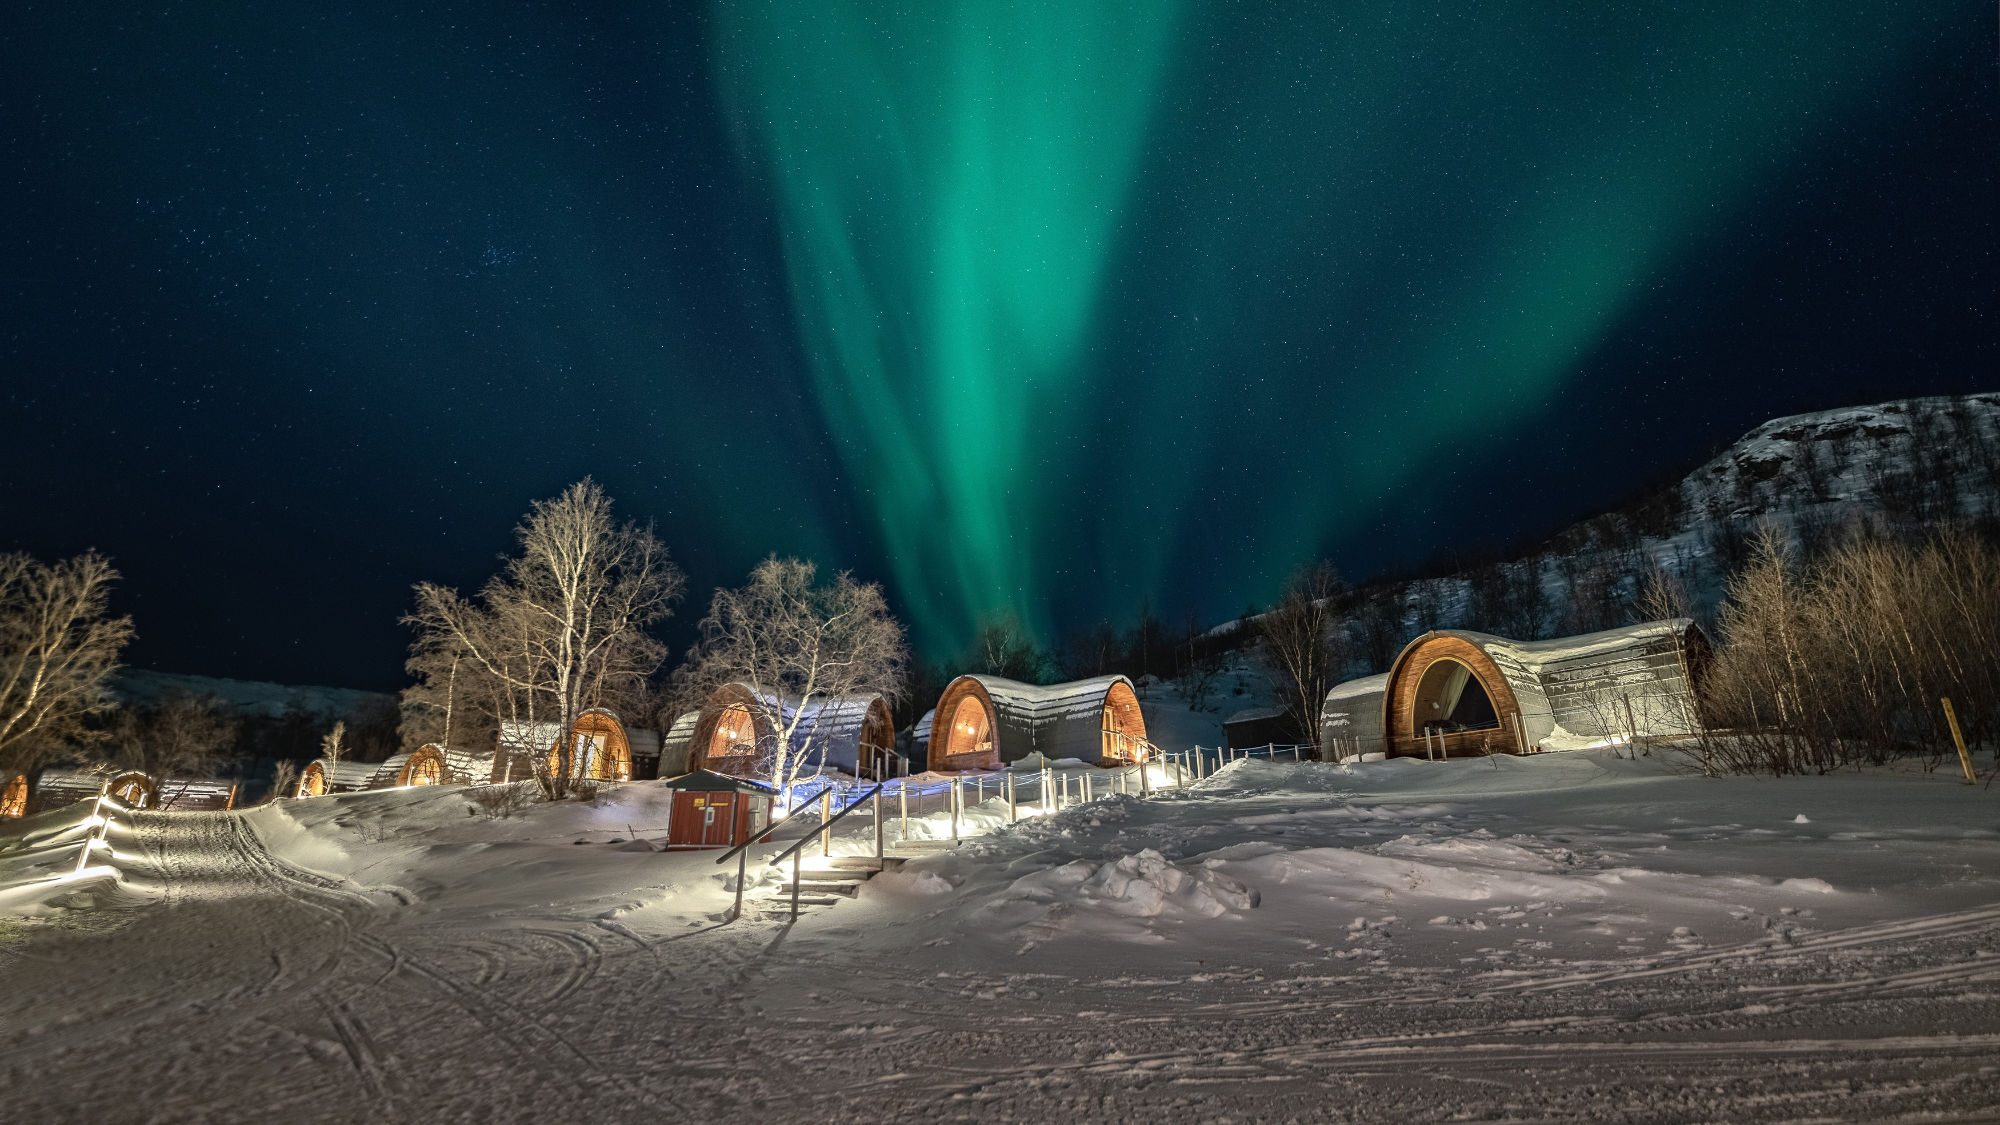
x=679 y=741
x=528 y=736
x=346 y=776
x=1254 y=715
x=1350 y=719
x=195 y=793
x=1596 y=687
x=829 y=730
x=466 y=767
x=1056 y=721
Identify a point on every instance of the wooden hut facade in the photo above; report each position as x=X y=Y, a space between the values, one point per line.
x=736 y=733
x=985 y=722
x=1460 y=692
x=600 y=748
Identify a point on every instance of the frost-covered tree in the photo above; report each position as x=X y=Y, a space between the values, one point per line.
x=564 y=625
x=796 y=641
x=333 y=745
x=1003 y=647
x=454 y=702
x=59 y=645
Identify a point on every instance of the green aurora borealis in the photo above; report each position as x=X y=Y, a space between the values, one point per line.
x=1050 y=309
x=1045 y=258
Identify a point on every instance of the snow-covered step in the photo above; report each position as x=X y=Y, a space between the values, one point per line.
x=821 y=887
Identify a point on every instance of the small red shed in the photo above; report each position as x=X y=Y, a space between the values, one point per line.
x=713 y=810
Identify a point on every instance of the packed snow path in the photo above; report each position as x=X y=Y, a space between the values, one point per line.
x=1564 y=938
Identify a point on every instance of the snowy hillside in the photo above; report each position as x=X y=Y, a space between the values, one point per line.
x=1577 y=937
x=1892 y=456
x=1904 y=465
x=248 y=698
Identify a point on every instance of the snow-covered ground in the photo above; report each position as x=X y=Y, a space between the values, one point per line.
x=1566 y=937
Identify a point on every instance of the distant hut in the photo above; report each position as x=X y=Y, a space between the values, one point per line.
x=984 y=722
x=737 y=728
x=1257 y=726
x=321 y=777
x=646 y=747
x=600 y=748
x=54 y=788
x=1470 y=693
x=423 y=766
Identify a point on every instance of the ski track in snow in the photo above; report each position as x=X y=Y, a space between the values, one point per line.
x=1631 y=962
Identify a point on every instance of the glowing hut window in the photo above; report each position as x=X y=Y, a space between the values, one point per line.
x=1115 y=743
x=971 y=731
x=14 y=802
x=426 y=769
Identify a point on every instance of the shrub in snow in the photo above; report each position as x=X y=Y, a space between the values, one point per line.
x=499 y=802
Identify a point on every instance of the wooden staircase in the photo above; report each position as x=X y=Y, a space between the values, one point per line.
x=835 y=877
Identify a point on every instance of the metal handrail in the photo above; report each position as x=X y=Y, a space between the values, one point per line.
x=825 y=825
x=768 y=829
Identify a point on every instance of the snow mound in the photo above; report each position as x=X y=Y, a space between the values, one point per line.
x=1143 y=885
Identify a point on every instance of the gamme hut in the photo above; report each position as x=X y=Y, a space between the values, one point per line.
x=985 y=722
x=1456 y=692
x=737 y=729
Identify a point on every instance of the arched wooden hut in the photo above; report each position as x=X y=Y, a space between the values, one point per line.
x=1471 y=693
x=14 y=796
x=984 y=722
x=42 y=790
x=736 y=732
x=321 y=777
x=423 y=766
x=600 y=748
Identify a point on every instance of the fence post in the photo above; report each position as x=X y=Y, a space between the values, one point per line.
x=795 y=883
x=1958 y=737
x=89 y=834
x=903 y=799
x=825 y=814
x=1089 y=793
x=742 y=872
x=954 y=810
x=1145 y=780
x=878 y=826
x=1013 y=812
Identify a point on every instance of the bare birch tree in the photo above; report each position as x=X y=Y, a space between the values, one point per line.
x=563 y=626
x=796 y=642
x=1301 y=644
x=333 y=747
x=59 y=645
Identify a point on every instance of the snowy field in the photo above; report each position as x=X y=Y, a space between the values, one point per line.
x=1567 y=937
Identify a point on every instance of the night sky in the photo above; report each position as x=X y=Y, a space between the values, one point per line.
x=1047 y=308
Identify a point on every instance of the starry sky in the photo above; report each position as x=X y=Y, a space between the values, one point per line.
x=1050 y=309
